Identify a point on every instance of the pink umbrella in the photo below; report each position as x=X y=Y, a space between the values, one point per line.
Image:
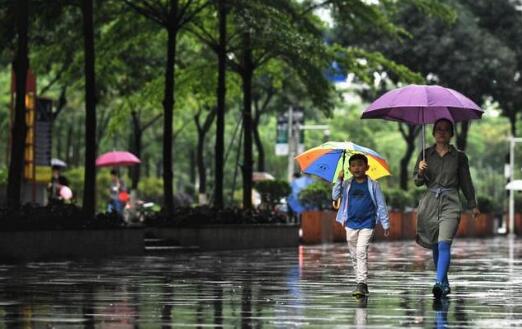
x=117 y=158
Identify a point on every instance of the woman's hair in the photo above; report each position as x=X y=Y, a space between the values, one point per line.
x=452 y=129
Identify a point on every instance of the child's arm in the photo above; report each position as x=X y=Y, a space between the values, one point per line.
x=382 y=208
x=337 y=189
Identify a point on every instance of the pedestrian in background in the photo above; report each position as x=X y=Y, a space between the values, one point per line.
x=53 y=188
x=118 y=195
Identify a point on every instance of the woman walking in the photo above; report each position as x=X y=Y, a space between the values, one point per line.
x=444 y=171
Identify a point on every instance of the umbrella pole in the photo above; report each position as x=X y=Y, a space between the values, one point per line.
x=337 y=203
x=423 y=141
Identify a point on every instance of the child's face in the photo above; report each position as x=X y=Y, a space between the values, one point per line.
x=358 y=168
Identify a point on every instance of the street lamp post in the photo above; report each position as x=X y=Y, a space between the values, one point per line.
x=512 y=141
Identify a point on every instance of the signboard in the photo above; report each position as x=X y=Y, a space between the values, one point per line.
x=283 y=129
x=42 y=139
x=38 y=119
x=282 y=136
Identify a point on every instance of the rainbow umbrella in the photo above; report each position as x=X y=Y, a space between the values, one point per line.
x=328 y=159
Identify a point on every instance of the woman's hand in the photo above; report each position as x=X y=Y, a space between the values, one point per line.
x=423 y=165
x=387 y=232
x=476 y=213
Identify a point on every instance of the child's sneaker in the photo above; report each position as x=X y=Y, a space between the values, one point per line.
x=360 y=290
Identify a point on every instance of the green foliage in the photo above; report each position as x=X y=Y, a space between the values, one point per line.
x=3 y=176
x=317 y=195
x=56 y=217
x=364 y=63
x=272 y=191
x=151 y=189
x=200 y=216
x=477 y=52
x=398 y=199
x=416 y=194
x=486 y=204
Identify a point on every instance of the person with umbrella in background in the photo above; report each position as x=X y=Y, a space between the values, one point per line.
x=118 y=195
x=58 y=180
x=299 y=183
x=443 y=169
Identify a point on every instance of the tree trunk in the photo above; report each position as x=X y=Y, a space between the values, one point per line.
x=19 y=129
x=513 y=122
x=192 y=169
x=77 y=143
x=89 y=186
x=168 y=107
x=259 y=144
x=409 y=138
x=202 y=175
x=58 y=136
x=136 y=148
x=462 y=136
x=200 y=154
x=68 y=144
x=248 y=69
x=221 y=96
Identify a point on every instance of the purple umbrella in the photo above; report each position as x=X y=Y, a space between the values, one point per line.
x=421 y=104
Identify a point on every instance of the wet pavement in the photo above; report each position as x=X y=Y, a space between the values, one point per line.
x=309 y=286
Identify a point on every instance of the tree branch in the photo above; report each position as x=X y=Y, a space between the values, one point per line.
x=152 y=121
x=149 y=11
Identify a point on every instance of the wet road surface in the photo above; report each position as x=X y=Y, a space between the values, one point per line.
x=309 y=286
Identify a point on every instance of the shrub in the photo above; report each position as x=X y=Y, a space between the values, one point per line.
x=317 y=195
x=272 y=191
x=204 y=215
x=485 y=204
x=55 y=217
x=151 y=189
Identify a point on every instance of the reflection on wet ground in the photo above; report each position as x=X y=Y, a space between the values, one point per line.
x=309 y=286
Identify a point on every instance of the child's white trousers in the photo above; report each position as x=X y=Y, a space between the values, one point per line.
x=358 y=242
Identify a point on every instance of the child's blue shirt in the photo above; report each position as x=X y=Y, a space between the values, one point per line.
x=361 y=210
x=380 y=210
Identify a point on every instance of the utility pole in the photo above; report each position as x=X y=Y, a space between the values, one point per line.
x=294 y=119
x=512 y=141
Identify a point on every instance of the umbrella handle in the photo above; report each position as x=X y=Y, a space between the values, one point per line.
x=336 y=204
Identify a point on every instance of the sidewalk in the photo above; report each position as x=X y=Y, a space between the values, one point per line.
x=308 y=286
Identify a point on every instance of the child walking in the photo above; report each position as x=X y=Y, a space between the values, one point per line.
x=362 y=206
